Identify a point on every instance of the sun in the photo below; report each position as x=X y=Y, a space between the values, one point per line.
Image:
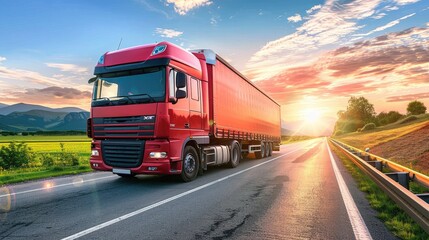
x=311 y=115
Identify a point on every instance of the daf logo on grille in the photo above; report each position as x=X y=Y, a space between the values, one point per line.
x=148 y=117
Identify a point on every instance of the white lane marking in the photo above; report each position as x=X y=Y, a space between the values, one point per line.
x=157 y=204
x=359 y=227
x=54 y=186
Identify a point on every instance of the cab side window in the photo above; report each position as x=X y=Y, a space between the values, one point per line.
x=195 y=95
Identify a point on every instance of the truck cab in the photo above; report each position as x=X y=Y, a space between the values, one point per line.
x=147 y=102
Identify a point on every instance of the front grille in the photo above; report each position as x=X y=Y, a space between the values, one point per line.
x=122 y=154
x=117 y=127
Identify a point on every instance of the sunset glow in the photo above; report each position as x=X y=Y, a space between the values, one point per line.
x=311 y=115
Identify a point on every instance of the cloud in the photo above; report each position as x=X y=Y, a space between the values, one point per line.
x=65 y=67
x=151 y=8
x=184 y=6
x=402 y=52
x=379 y=16
x=351 y=89
x=313 y=9
x=389 y=25
x=290 y=85
x=2 y=59
x=332 y=23
x=392 y=63
x=405 y=2
x=49 y=96
x=27 y=76
x=59 y=92
x=408 y=97
x=168 y=33
x=295 y=18
x=214 y=20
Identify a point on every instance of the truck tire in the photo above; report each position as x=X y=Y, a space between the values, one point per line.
x=190 y=164
x=261 y=154
x=235 y=154
x=266 y=149
x=270 y=149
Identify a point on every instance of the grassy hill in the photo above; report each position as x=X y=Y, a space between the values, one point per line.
x=405 y=142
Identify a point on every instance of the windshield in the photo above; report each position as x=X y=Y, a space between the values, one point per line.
x=130 y=87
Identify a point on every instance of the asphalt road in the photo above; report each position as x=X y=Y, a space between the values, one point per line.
x=295 y=194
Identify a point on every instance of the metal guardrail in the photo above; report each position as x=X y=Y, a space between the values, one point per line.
x=413 y=205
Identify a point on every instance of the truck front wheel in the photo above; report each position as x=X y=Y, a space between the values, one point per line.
x=235 y=154
x=190 y=164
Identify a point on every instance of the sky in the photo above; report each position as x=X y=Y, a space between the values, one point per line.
x=310 y=56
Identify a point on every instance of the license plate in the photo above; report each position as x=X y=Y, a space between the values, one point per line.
x=122 y=171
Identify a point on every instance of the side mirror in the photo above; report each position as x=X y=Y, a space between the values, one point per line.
x=180 y=80
x=91 y=80
x=180 y=94
x=173 y=100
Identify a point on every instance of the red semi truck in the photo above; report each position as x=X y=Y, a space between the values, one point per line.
x=160 y=109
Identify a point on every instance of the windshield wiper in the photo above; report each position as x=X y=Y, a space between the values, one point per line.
x=102 y=101
x=129 y=100
x=144 y=94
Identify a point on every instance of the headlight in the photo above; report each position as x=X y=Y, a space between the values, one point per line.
x=158 y=155
x=95 y=153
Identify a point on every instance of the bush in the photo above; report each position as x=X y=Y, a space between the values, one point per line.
x=68 y=158
x=368 y=126
x=408 y=119
x=48 y=160
x=16 y=156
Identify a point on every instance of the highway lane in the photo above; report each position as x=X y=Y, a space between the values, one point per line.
x=292 y=195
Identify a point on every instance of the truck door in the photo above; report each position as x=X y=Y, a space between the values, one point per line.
x=179 y=111
x=195 y=115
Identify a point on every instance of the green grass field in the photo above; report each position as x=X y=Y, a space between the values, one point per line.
x=51 y=144
x=79 y=145
x=74 y=138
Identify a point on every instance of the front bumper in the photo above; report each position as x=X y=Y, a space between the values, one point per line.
x=148 y=166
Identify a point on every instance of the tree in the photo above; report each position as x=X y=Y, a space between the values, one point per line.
x=416 y=108
x=359 y=112
x=359 y=109
x=387 y=118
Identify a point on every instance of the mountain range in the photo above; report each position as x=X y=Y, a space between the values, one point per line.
x=28 y=117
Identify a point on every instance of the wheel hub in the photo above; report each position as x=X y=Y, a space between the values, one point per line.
x=189 y=163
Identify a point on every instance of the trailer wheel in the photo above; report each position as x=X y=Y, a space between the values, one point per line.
x=261 y=154
x=270 y=149
x=190 y=164
x=235 y=155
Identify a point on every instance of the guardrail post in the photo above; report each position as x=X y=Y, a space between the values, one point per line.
x=377 y=164
x=424 y=196
x=401 y=177
x=362 y=156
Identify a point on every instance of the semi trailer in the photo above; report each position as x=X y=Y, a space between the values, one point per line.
x=161 y=109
